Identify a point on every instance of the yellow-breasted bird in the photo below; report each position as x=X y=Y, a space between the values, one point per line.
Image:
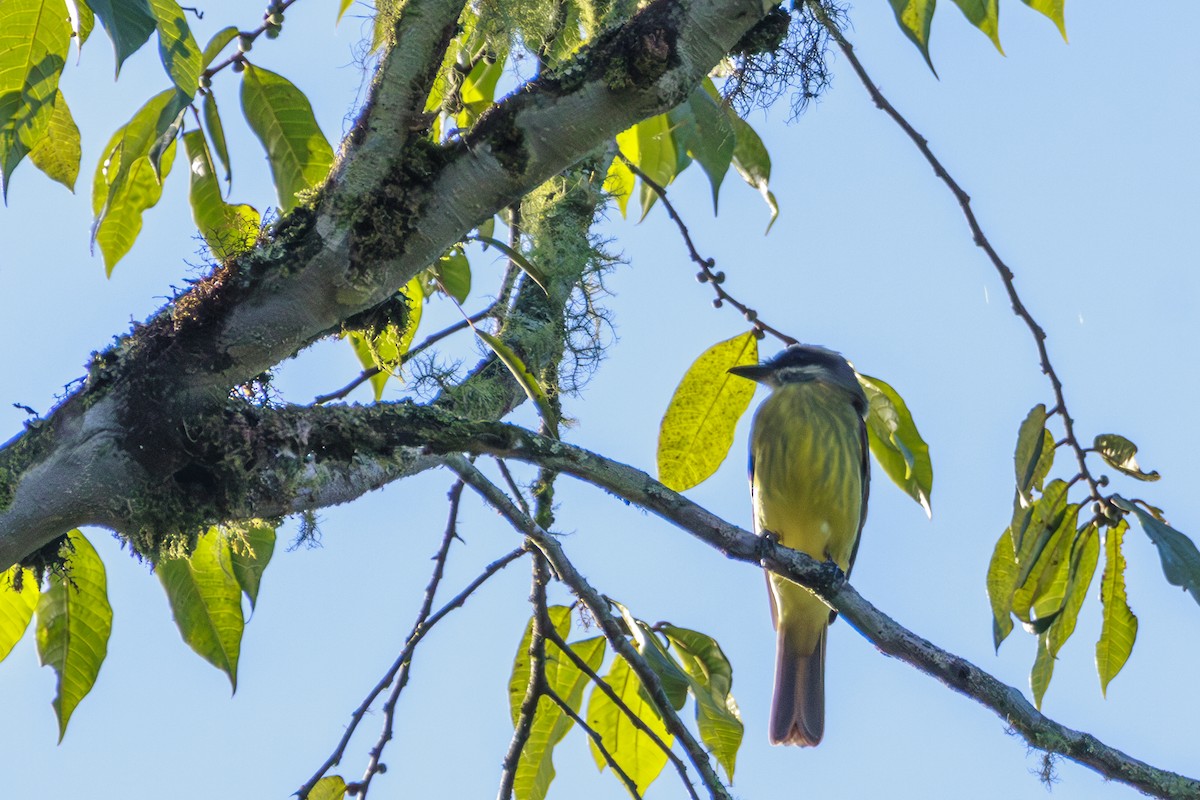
x=809 y=475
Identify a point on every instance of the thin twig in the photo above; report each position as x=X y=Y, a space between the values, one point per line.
x=980 y=239
x=633 y=718
x=512 y=485
x=599 y=609
x=404 y=657
x=537 y=677
x=706 y=273
x=597 y=739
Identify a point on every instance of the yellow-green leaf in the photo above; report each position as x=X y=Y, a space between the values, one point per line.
x=635 y=752
x=83 y=21
x=1119 y=626
x=527 y=380
x=1034 y=454
x=518 y=258
x=216 y=44
x=914 y=17
x=753 y=162
x=206 y=601
x=177 y=47
x=251 y=546
x=711 y=680
x=649 y=146
x=228 y=230
x=57 y=153
x=453 y=274
x=1044 y=578
x=985 y=15
x=670 y=674
x=1001 y=583
x=16 y=607
x=282 y=118
x=35 y=38
x=895 y=441
x=385 y=349
x=74 y=621
x=1179 y=556
x=1084 y=557
x=619 y=183
x=331 y=787
x=216 y=132
x=342 y=6
x=1052 y=9
x=701 y=129
x=1043 y=669
x=1120 y=454
x=697 y=428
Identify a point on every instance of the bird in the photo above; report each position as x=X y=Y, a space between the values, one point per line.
x=809 y=481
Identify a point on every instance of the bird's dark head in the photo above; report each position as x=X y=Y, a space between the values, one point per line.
x=801 y=363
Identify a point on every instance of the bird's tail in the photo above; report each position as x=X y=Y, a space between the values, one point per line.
x=798 y=709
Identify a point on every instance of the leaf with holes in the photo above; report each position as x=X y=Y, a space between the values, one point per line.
x=1119 y=626
x=1120 y=454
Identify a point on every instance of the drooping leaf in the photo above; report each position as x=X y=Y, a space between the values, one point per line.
x=251 y=546
x=711 y=679
x=1043 y=669
x=672 y=677
x=1180 y=558
x=385 y=348
x=1119 y=625
x=206 y=601
x=83 y=21
x=216 y=44
x=914 y=18
x=1032 y=459
x=985 y=15
x=58 y=152
x=127 y=181
x=331 y=787
x=35 y=38
x=16 y=608
x=697 y=428
x=1030 y=540
x=478 y=88
x=282 y=118
x=518 y=681
x=342 y=6
x=216 y=132
x=619 y=183
x=753 y=162
x=1083 y=567
x=1120 y=454
x=895 y=441
x=177 y=47
x=518 y=258
x=1001 y=584
x=528 y=381
x=702 y=129
x=129 y=24
x=1052 y=9
x=453 y=273
x=649 y=146
x=1043 y=588
x=227 y=229
x=634 y=751
x=74 y=621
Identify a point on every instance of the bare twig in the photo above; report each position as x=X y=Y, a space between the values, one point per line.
x=597 y=739
x=706 y=273
x=599 y=609
x=980 y=239
x=537 y=677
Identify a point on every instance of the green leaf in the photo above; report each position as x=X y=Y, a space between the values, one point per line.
x=1032 y=537
x=216 y=44
x=1043 y=669
x=176 y=46
x=129 y=24
x=649 y=146
x=216 y=132
x=670 y=674
x=702 y=129
x=35 y=38
x=386 y=348
x=1180 y=558
x=697 y=428
x=16 y=608
x=74 y=621
x=1119 y=625
x=331 y=787
x=342 y=6
x=126 y=181
x=1001 y=583
x=527 y=266
x=1119 y=453
x=453 y=273
x=711 y=675
x=228 y=230
x=1052 y=9
x=895 y=441
x=632 y=750
x=527 y=380
x=83 y=21
x=57 y=153
x=1034 y=454
x=1084 y=556
x=619 y=183
x=479 y=89
x=914 y=17
x=282 y=119
x=518 y=681
x=753 y=162
x=206 y=601
x=985 y=15
x=1043 y=586
x=251 y=546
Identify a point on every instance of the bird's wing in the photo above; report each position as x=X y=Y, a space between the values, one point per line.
x=865 y=446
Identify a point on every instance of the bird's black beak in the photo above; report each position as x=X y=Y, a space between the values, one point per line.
x=755 y=372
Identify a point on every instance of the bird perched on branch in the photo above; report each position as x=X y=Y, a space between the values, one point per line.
x=809 y=475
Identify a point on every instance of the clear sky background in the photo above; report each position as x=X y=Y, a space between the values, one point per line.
x=1082 y=164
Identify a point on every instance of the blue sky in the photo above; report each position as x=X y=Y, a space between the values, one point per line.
x=1081 y=163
